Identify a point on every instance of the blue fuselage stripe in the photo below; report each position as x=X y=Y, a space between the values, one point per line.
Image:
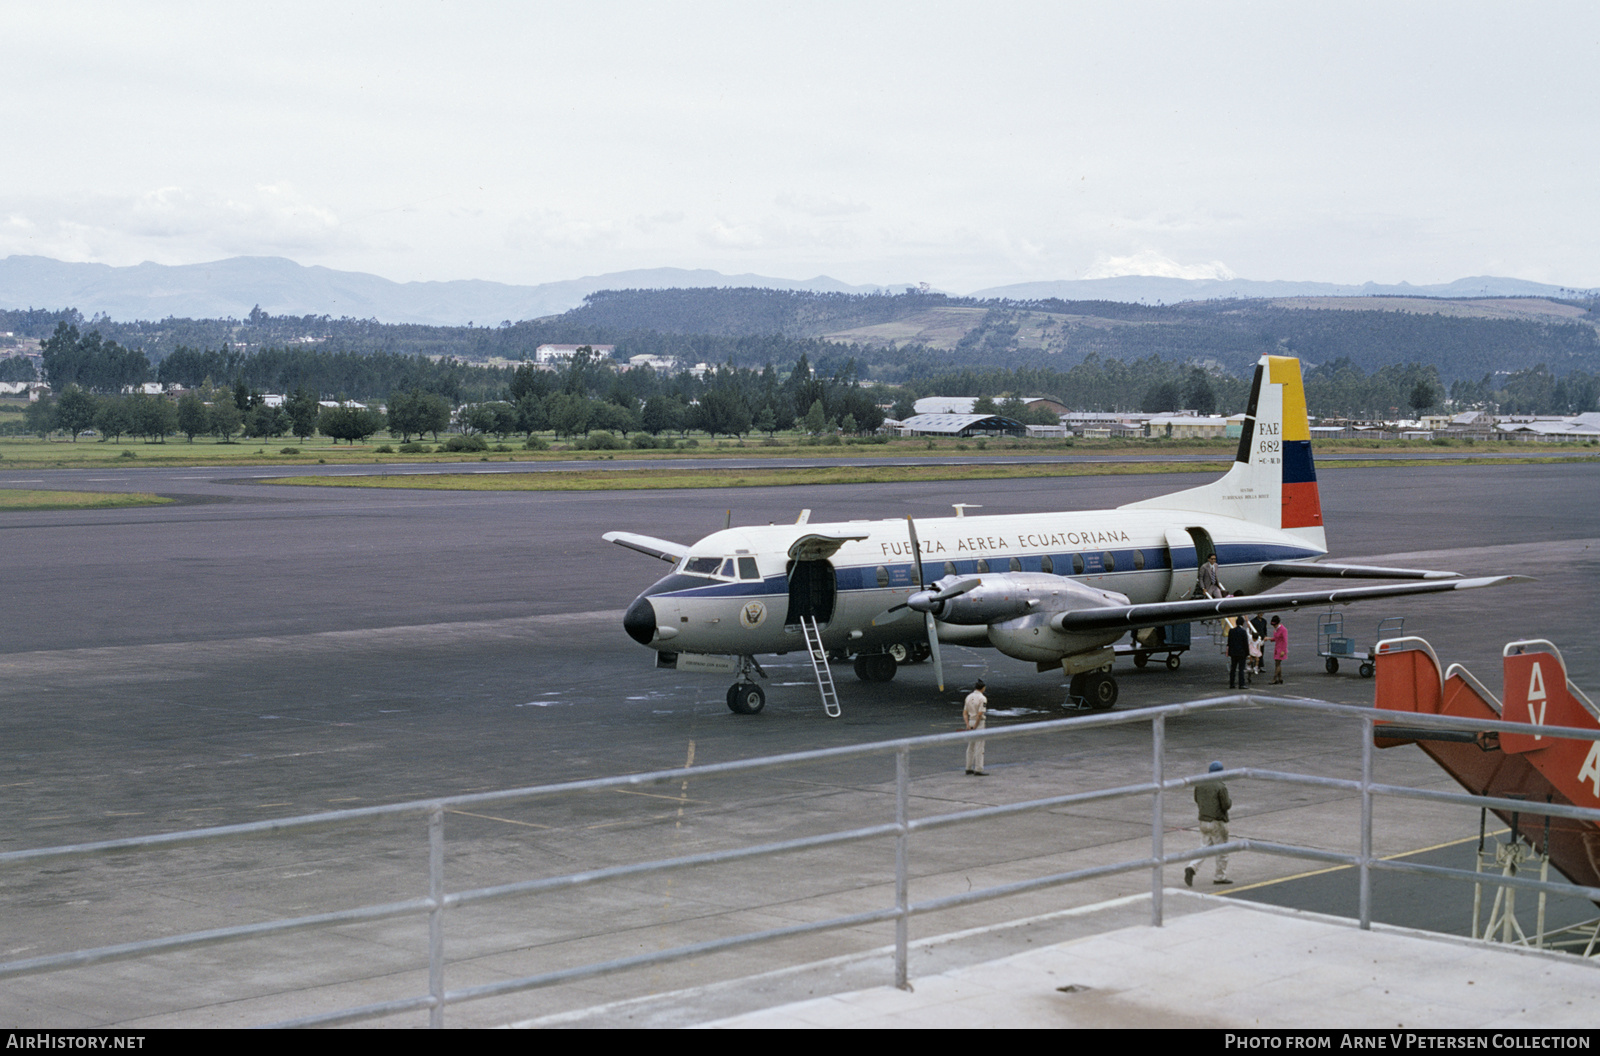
x=865 y=577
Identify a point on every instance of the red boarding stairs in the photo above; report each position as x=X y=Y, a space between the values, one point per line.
x=1539 y=769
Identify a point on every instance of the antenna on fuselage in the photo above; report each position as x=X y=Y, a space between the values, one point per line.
x=961 y=508
x=728 y=522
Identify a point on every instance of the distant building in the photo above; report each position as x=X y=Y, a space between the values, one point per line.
x=1579 y=427
x=549 y=355
x=1184 y=426
x=961 y=425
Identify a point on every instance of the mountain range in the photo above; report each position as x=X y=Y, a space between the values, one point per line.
x=231 y=288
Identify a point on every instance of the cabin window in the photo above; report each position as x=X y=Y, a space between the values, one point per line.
x=983 y=566
x=747 y=568
x=1047 y=565
x=1015 y=566
x=1108 y=561
x=1138 y=560
x=1077 y=564
x=883 y=576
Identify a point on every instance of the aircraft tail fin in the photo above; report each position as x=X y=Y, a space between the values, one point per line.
x=1273 y=480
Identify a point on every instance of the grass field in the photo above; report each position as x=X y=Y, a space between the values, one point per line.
x=668 y=477
x=89 y=453
x=14 y=499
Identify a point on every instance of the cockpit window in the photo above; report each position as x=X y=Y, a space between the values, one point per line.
x=747 y=568
x=702 y=566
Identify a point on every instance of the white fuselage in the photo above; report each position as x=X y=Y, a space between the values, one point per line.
x=1146 y=555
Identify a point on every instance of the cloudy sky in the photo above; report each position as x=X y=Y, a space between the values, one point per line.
x=965 y=145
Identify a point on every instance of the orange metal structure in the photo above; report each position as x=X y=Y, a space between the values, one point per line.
x=1540 y=768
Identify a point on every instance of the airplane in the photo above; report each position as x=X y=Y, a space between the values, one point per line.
x=1057 y=589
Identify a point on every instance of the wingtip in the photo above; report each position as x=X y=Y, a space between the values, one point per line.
x=1491 y=581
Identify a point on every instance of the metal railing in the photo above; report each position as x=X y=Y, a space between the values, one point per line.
x=438 y=900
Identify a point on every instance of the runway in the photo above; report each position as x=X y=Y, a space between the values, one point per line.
x=492 y=618
x=259 y=651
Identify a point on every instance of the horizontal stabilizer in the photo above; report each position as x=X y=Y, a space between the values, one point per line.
x=1165 y=612
x=1328 y=570
x=661 y=548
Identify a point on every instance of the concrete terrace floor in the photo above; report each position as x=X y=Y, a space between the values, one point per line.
x=1213 y=965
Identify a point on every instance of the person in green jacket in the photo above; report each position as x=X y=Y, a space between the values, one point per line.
x=1214 y=802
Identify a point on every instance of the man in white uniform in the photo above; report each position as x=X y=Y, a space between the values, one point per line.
x=975 y=712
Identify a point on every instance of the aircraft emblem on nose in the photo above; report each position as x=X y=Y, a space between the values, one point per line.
x=752 y=614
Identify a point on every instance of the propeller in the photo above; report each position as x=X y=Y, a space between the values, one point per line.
x=933 y=631
x=927 y=601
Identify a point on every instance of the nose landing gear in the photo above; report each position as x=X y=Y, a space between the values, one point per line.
x=744 y=696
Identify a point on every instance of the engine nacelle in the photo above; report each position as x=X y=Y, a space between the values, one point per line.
x=1017 y=608
x=1032 y=638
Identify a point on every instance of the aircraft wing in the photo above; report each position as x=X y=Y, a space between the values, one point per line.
x=645 y=544
x=1326 y=570
x=1161 y=613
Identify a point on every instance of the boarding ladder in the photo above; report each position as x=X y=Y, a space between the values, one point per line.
x=819 y=665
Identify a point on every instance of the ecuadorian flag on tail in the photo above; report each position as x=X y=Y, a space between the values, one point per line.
x=1286 y=434
x=1273 y=481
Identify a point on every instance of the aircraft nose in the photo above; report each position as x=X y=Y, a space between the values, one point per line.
x=640 y=621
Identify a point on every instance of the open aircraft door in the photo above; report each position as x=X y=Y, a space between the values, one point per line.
x=813 y=584
x=1187 y=549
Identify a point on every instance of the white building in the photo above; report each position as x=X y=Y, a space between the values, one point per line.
x=549 y=355
x=1180 y=426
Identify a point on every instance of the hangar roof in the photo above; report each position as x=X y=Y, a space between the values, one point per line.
x=961 y=424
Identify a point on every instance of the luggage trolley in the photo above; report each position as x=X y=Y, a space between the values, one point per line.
x=1172 y=639
x=1333 y=646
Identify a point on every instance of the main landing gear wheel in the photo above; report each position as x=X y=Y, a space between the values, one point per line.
x=1332 y=666
x=875 y=667
x=900 y=652
x=746 y=698
x=1097 y=688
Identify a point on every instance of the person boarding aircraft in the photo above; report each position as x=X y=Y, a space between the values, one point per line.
x=1053 y=588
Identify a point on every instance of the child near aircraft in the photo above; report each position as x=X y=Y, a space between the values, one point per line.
x=1257 y=626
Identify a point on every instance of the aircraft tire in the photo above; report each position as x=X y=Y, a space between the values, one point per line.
x=1101 y=691
x=1332 y=666
x=920 y=652
x=900 y=652
x=746 y=698
x=875 y=667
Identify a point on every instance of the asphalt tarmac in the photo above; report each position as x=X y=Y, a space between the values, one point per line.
x=259 y=651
